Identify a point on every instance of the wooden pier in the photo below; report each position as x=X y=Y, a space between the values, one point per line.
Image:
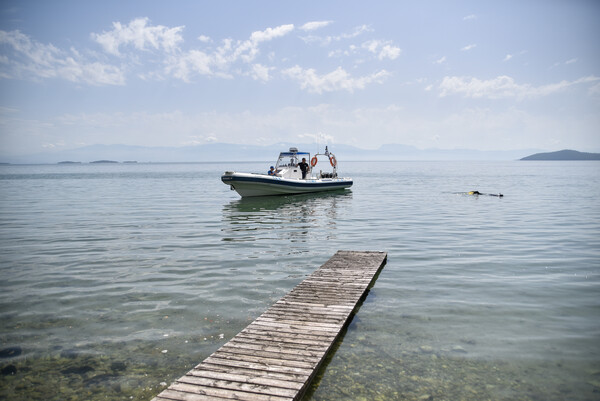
x=276 y=356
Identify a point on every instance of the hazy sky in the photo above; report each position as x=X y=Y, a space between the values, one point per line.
x=487 y=75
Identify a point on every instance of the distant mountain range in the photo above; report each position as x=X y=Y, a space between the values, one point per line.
x=565 y=154
x=215 y=152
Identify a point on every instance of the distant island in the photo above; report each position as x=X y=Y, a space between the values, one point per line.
x=227 y=152
x=565 y=154
x=69 y=162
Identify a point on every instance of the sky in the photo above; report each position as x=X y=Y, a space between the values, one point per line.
x=483 y=75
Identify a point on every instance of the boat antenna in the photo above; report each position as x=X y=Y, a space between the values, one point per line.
x=318 y=138
x=317 y=143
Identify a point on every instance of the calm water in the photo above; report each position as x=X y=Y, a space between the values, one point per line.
x=117 y=279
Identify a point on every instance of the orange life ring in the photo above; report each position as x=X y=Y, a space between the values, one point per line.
x=332 y=161
x=313 y=161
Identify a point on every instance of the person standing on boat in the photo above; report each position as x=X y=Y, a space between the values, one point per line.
x=271 y=171
x=304 y=167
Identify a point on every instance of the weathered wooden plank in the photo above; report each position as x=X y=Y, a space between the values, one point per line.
x=242 y=371
x=338 y=299
x=310 y=303
x=225 y=393
x=238 y=386
x=275 y=357
x=305 y=312
x=323 y=286
x=176 y=395
x=248 y=378
x=285 y=308
x=268 y=347
x=284 y=336
x=290 y=345
x=275 y=354
x=304 y=317
x=308 y=322
x=266 y=333
x=245 y=371
x=271 y=361
x=298 y=328
x=258 y=366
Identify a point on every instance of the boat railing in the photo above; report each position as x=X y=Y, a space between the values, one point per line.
x=327 y=175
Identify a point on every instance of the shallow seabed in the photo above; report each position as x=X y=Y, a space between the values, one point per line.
x=118 y=279
x=362 y=369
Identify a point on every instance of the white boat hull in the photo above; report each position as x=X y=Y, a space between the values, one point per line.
x=248 y=184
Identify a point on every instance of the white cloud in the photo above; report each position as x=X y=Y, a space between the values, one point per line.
x=260 y=72
x=382 y=49
x=139 y=34
x=271 y=33
x=470 y=17
x=249 y=49
x=337 y=80
x=571 y=61
x=7 y=110
x=154 y=52
x=440 y=60
x=220 y=61
x=327 y=40
x=389 y=51
x=359 y=30
x=195 y=140
x=468 y=47
x=319 y=137
x=508 y=57
x=311 y=26
x=503 y=87
x=190 y=63
x=33 y=60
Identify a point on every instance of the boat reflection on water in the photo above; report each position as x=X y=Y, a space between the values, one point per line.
x=276 y=218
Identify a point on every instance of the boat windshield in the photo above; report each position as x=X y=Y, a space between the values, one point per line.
x=291 y=159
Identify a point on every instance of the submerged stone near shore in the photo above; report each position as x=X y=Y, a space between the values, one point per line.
x=10 y=352
x=9 y=370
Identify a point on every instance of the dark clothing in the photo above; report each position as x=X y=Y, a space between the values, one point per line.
x=304 y=167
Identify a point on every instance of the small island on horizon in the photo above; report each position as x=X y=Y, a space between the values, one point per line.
x=565 y=154
x=103 y=161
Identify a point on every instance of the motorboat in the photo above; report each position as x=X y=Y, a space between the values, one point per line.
x=287 y=176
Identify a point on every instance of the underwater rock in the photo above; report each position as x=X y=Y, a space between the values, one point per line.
x=9 y=370
x=117 y=366
x=100 y=379
x=79 y=370
x=10 y=352
x=458 y=348
x=594 y=383
x=426 y=349
x=69 y=354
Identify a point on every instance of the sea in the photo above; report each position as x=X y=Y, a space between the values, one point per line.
x=116 y=279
